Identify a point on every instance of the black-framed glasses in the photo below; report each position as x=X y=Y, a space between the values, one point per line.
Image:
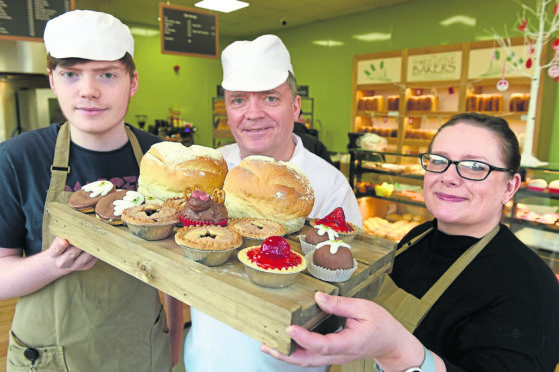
x=474 y=170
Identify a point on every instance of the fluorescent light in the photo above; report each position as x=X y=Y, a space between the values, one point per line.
x=465 y=20
x=373 y=36
x=224 y=6
x=141 y=31
x=327 y=43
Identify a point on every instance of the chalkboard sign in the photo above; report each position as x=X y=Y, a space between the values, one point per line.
x=187 y=31
x=26 y=19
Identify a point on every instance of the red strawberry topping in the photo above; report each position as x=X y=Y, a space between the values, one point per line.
x=274 y=253
x=336 y=220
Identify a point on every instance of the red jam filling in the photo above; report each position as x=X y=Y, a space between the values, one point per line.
x=274 y=253
x=186 y=222
x=336 y=220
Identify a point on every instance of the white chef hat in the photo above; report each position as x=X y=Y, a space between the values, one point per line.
x=89 y=35
x=253 y=66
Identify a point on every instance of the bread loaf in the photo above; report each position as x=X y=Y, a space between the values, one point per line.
x=169 y=167
x=261 y=187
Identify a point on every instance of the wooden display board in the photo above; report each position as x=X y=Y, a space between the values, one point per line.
x=186 y=31
x=224 y=292
x=26 y=19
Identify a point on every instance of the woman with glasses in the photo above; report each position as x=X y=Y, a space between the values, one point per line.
x=464 y=294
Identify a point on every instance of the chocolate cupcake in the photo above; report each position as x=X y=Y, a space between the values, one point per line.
x=332 y=261
x=317 y=235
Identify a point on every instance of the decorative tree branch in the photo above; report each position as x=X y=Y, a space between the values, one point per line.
x=536 y=34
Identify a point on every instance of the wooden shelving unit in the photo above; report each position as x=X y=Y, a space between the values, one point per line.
x=405 y=96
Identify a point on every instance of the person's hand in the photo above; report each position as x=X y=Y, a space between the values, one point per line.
x=68 y=257
x=370 y=331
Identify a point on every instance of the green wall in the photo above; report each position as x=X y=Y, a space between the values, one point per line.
x=326 y=70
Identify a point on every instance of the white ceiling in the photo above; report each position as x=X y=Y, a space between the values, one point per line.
x=261 y=16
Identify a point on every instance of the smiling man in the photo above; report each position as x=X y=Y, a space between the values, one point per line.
x=262 y=105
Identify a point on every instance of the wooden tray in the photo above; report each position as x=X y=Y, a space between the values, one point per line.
x=223 y=292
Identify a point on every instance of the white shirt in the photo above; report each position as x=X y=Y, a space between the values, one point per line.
x=212 y=346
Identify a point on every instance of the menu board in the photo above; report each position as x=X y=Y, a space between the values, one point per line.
x=26 y=19
x=187 y=31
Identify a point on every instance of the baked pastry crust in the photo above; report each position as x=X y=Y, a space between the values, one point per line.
x=257 y=228
x=150 y=215
x=211 y=238
x=177 y=202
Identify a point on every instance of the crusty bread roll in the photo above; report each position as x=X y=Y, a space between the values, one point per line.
x=261 y=187
x=169 y=167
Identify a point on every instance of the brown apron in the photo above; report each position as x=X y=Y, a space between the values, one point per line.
x=93 y=320
x=410 y=310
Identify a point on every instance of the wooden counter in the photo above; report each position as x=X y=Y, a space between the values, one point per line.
x=223 y=292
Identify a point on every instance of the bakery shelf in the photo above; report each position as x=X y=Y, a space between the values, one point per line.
x=224 y=292
x=435 y=95
x=392 y=199
x=524 y=192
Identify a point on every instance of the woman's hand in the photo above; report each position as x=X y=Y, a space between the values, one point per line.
x=370 y=331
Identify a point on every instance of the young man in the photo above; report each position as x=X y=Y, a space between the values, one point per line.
x=77 y=313
x=262 y=104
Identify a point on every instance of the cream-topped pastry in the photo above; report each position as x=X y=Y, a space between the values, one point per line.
x=130 y=199
x=87 y=197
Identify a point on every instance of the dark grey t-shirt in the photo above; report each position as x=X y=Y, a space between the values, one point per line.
x=25 y=163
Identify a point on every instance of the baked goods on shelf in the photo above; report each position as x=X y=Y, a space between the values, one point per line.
x=109 y=208
x=394 y=231
x=150 y=221
x=372 y=103
x=209 y=245
x=168 y=167
x=255 y=230
x=553 y=187
x=538 y=184
x=519 y=102
x=422 y=103
x=273 y=264
x=332 y=261
x=85 y=199
x=200 y=208
x=260 y=187
x=484 y=102
x=336 y=220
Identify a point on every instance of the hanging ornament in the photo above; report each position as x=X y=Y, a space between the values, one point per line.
x=450 y=90
x=555 y=44
x=556 y=9
x=553 y=71
x=522 y=26
x=529 y=61
x=503 y=84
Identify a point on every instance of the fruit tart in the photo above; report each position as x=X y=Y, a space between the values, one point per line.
x=273 y=264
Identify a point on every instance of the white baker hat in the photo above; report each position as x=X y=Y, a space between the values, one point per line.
x=89 y=35
x=254 y=66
